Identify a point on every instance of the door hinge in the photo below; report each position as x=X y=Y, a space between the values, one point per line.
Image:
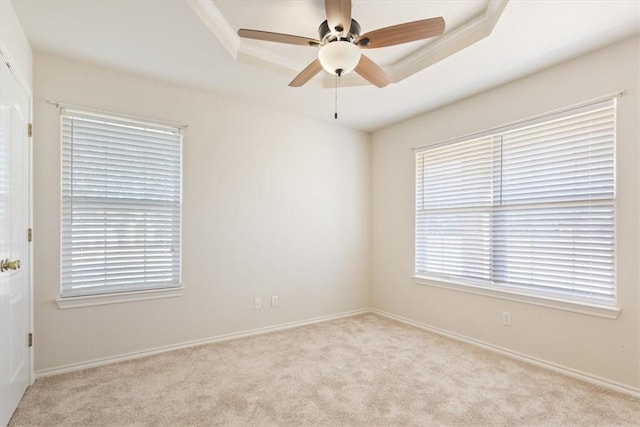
x=29 y=234
x=30 y=339
x=30 y=130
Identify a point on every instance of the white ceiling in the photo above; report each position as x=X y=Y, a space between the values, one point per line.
x=167 y=40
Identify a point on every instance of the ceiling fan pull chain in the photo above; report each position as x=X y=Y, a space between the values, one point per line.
x=335 y=115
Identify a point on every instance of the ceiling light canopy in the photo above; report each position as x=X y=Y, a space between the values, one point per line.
x=339 y=57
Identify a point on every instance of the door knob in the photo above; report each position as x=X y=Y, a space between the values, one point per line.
x=9 y=265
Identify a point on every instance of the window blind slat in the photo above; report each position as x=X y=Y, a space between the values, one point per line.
x=530 y=209
x=121 y=205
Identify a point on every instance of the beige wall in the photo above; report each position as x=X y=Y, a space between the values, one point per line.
x=273 y=205
x=14 y=44
x=604 y=348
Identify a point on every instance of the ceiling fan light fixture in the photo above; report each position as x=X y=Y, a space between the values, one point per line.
x=339 y=57
x=340 y=42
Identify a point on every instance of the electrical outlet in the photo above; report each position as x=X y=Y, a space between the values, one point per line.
x=274 y=301
x=506 y=318
x=257 y=303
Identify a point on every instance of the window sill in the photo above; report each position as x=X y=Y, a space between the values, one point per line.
x=116 y=298
x=575 y=307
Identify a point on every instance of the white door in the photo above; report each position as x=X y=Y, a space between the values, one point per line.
x=14 y=246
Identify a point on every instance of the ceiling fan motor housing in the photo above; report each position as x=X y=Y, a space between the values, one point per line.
x=328 y=36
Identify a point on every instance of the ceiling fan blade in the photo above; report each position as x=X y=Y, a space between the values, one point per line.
x=338 y=15
x=402 y=33
x=372 y=72
x=278 y=37
x=307 y=74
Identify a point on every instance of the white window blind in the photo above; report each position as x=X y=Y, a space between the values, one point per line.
x=527 y=209
x=121 y=205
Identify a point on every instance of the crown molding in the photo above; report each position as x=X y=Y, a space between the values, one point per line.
x=213 y=19
x=251 y=54
x=440 y=48
x=450 y=43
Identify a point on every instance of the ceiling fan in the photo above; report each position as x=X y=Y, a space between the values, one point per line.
x=340 y=43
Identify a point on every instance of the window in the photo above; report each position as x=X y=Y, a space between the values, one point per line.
x=526 y=209
x=121 y=205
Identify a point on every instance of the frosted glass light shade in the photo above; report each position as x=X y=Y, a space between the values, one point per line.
x=339 y=55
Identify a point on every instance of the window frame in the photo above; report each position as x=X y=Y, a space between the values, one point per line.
x=118 y=294
x=500 y=291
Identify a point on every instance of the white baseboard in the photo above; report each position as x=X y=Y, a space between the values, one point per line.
x=157 y=350
x=583 y=376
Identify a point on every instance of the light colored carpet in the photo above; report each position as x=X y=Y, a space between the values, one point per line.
x=363 y=370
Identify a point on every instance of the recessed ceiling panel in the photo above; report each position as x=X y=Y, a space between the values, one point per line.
x=168 y=40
